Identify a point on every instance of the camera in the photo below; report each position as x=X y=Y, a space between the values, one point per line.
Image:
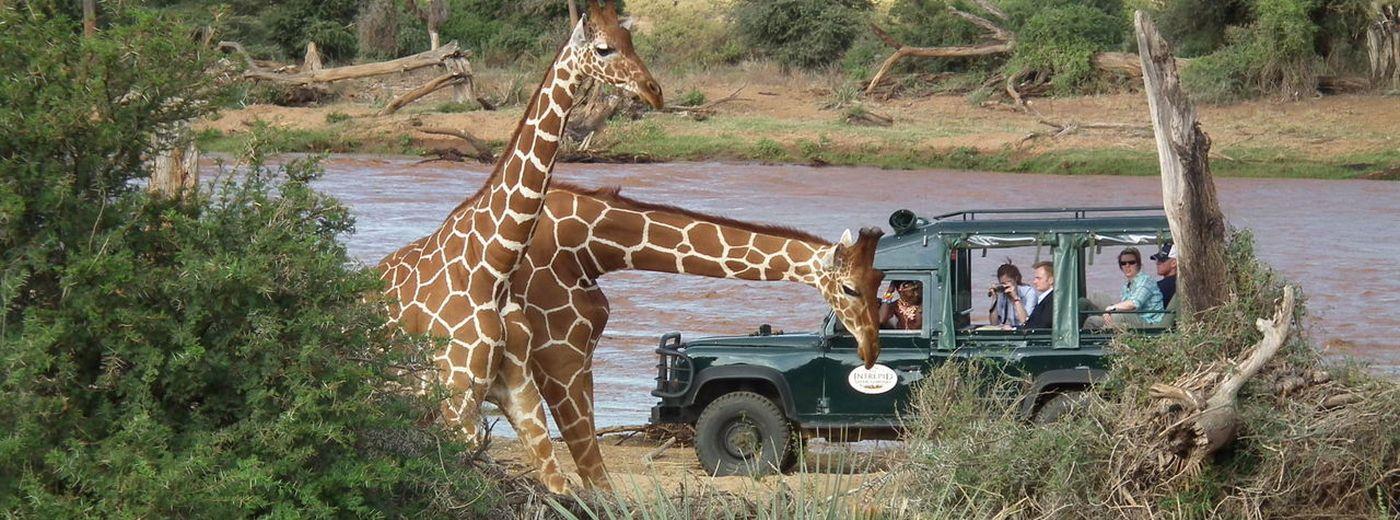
x=996 y=288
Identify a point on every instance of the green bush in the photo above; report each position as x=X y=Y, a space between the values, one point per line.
x=207 y=356
x=800 y=33
x=1273 y=54
x=296 y=22
x=1063 y=40
x=686 y=34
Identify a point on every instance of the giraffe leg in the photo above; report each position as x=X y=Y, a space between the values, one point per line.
x=575 y=417
x=519 y=398
x=468 y=367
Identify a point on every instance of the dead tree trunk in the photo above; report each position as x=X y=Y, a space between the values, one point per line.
x=432 y=16
x=175 y=168
x=312 y=61
x=89 y=18
x=573 y=14
x=1188 y=190
x=1383 y=46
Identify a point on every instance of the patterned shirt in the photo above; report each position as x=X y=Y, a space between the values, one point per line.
x=1144 y=292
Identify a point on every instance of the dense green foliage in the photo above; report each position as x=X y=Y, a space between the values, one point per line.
x=802 y=33
x=207 y=356
x=498 y=31
x=1246 y=48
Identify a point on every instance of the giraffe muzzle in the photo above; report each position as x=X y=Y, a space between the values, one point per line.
x=650 y=92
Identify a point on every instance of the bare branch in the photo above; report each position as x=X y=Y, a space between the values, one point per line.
x=997 y=32
x=991 y=8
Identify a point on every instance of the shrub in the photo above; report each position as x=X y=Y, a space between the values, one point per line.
x=1273 y=54
x=685 y=34
x=296 y=22
x=336 y=117
x=690 y=98
x=800 y=33
x=206 y=356
x=1063 y=40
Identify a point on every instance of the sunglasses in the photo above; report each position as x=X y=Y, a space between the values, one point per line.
x=1122 y=263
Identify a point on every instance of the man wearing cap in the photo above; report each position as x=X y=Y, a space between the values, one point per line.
x=1166 y=268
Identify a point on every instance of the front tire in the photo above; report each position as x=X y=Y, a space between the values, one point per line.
x=1064 y=404
x=743 y=433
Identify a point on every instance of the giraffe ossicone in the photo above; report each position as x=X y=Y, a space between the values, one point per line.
x=455 y=282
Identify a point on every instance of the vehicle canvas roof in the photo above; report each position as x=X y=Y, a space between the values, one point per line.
x=909 y=248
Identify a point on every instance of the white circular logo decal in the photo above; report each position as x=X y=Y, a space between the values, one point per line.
x=876 y=380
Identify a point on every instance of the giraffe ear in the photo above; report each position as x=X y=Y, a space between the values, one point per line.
x=833 y=258
x=582 y=35
x=847 y=238
x=626 y=23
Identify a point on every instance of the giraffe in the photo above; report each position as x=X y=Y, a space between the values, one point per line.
x=584 y=234
x=454 y=283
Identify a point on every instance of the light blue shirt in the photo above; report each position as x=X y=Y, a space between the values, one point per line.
x=1006 y=309
x=1142 y=291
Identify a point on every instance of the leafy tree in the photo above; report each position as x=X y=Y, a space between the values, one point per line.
x=801 y=33
x=207 y=356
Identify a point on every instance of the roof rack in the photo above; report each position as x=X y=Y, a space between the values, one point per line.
x=1075 y=213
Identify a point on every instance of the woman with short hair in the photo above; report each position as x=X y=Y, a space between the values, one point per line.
x=1139 y=293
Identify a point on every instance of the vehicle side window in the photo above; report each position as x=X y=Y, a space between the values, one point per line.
x=902 y=306
x=907 y=303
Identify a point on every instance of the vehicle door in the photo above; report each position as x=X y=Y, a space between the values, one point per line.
x=851 y=394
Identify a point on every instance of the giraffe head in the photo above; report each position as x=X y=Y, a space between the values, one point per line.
x=602 y=41
x=847 y=278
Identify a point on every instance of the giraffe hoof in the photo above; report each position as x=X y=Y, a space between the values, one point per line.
x=557 y=485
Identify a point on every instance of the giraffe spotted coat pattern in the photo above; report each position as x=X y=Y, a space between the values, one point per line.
x=454 y=283
x=584 y=234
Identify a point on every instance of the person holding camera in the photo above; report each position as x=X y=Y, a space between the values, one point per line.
x=1010 y=297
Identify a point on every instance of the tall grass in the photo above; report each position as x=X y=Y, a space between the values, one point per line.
x=1295 y=456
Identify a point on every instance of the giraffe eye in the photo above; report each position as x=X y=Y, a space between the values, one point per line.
x=850 y=292
x=604 y=50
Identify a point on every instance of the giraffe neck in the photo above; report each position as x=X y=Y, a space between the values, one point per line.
x=514 y=195
x=646 y=239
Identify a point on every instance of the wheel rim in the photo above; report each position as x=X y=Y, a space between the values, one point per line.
x=741 y=438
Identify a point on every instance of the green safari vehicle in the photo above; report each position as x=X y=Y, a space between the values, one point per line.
x=752 y=399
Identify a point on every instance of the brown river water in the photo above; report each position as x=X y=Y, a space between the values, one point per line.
x=1337 y=239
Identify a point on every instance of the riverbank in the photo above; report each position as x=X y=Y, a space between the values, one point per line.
x=801 y=119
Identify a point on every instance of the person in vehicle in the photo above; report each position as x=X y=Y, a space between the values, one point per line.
x=1006 y=294
x=1139 y=293
x=1042 y=312
x=905 y=309
x=1166 y=268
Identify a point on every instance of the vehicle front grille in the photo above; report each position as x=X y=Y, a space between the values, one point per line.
x=674 y=369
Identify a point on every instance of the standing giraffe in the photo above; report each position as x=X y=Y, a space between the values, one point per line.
x=584 y=234
x=454 y=283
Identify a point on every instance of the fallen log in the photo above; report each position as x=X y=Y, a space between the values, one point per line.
x=477 y=148
x=436 y=57
x=1196 y=427
x=422 y=90
x=902 y=51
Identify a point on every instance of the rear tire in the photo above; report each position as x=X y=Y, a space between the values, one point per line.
x=743 y=433
x=1062 y=405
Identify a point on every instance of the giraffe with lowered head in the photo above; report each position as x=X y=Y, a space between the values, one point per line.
x=586 y=233
x=454 y=283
